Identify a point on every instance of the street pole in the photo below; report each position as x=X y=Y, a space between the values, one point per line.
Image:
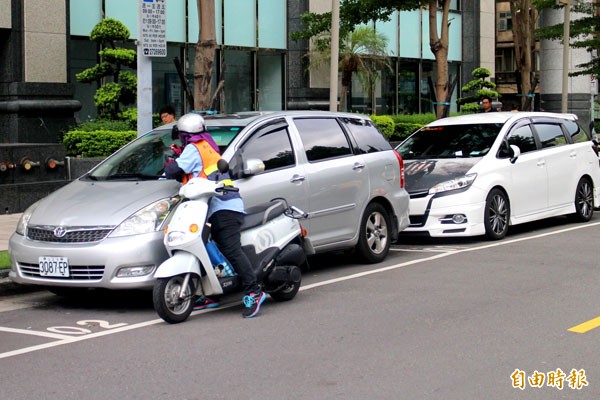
x=335 y=53
x=565 y=72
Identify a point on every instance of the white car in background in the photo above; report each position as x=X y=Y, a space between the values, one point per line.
x=478 y=174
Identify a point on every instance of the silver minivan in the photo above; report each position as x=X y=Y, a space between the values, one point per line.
x=105 y=229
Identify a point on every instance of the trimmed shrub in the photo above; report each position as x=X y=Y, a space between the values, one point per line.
x=104 y=125
x=385 y=124
x=99 y=143
x=404 y=130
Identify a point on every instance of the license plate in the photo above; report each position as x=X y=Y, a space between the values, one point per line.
x=54 y=266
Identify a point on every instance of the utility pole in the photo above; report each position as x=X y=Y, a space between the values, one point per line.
x=566 y=37
x=335 y=54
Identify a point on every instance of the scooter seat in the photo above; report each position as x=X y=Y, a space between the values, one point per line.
x=263 y=213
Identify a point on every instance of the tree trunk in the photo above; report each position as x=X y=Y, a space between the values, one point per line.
x=439 y=47
x=346 y=85
x=522 y=29
x=205 y=55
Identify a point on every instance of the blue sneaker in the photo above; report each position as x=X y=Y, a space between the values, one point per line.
x=252 y=302
x=205 y=302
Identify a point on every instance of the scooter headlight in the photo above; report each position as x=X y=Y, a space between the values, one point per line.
x=175 y=238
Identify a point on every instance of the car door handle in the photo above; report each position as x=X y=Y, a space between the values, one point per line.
x=541 y=163
x=297 y=178
x=358 y=166
x=573 y=154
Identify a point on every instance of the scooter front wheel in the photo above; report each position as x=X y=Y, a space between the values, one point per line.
x=173 y=302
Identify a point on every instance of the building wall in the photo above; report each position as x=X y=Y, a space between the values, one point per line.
x=551 y=73
x=5 y=14
x=45 y=32
x=487 y=34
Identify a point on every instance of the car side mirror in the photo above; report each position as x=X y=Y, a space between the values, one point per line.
x=515 y=153
x=253 y=166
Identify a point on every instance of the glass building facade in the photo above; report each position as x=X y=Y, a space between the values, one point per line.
x=253 y=56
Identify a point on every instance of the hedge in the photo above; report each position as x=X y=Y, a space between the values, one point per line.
x=385 y=123
x=100 y=143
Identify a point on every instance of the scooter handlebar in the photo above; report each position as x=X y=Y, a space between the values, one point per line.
x=225 y=189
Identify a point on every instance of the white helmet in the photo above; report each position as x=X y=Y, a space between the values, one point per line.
x=191 y=123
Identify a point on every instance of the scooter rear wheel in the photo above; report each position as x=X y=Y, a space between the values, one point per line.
x=286 y=293
x=167 y=302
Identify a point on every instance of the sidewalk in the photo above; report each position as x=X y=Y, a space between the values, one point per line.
x=8 y=224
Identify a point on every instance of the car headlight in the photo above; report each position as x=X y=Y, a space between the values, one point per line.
x=148 y=219
x=24 y=220
x=454 y=184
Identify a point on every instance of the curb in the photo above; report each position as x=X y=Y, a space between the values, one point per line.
x=10 y=288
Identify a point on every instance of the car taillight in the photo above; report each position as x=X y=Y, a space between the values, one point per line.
x=401 y=164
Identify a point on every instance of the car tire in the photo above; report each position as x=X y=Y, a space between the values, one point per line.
x=584 y=201
x=166 y=302
x=496 y=215
x=374 y=238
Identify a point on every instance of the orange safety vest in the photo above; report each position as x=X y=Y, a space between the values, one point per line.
x=209 y=163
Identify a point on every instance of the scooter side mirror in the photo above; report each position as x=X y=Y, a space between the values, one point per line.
x=223 y=166
x=175 y=133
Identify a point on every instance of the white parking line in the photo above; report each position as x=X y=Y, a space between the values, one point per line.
x=34 y=333
x=69 y=340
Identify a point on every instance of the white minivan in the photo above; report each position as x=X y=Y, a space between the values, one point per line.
x=478 y=174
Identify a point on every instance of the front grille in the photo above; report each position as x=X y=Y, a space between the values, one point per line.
x=76 y=272
x=68 y=234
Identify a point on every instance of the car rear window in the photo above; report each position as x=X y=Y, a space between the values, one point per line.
x=576 y=132
x=368 y=139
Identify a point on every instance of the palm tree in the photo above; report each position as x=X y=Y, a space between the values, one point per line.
x=363 y=51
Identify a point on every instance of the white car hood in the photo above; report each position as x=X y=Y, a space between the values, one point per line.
x=100 y=203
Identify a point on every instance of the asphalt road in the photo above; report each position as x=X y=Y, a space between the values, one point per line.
x=453 y=319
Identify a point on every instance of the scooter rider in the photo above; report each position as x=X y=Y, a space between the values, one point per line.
x=226 y=213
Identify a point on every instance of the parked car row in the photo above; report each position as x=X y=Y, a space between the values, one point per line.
x=462 y=176
x=105 y=229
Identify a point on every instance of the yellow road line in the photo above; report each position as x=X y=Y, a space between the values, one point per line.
x=586 y=326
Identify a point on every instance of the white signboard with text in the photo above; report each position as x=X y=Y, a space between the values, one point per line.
x=152 y=21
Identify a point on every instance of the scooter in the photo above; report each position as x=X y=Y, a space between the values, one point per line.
x=271 y=238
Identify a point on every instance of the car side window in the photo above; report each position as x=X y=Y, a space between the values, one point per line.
x=577 y=134
x=368 y=138
x=271 y=144
x=550 y=134
x=522 y=137
x=323 y=138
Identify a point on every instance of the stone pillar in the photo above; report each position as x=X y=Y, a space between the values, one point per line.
x=551 y=72
x=36 y=99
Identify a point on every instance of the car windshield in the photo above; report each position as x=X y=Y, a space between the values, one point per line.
x=145 y=158
x=451 y=141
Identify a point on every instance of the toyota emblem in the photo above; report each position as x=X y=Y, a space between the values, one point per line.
x=60 y=231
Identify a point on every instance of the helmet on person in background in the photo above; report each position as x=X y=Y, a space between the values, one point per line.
x=189 y=125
